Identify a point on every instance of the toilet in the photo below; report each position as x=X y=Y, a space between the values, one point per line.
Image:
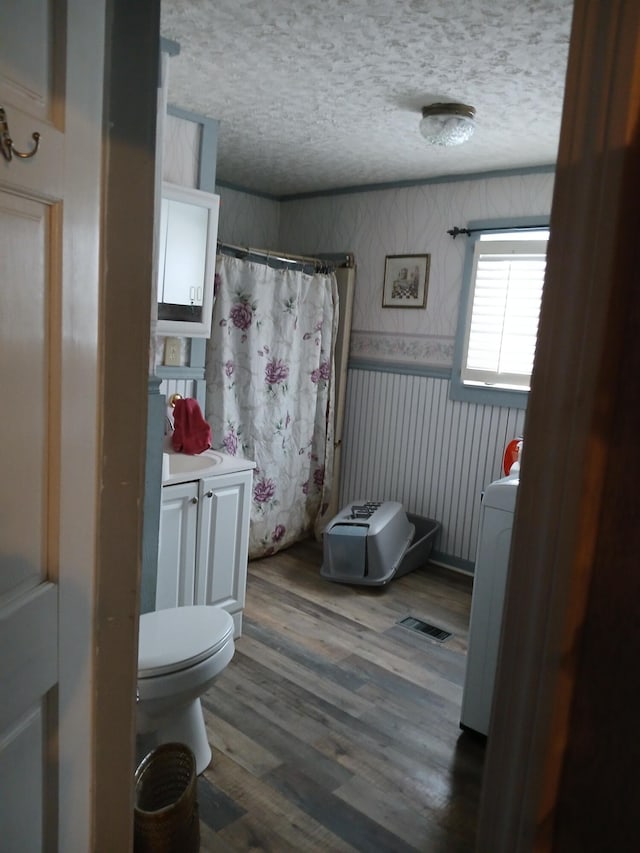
x=181 y=651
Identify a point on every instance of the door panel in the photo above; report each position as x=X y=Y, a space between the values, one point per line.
x=177 y=547
x=32 y=72
x=25 y=342
x=21 y=804
x=29 y=660
x=221 y=565
x=222 y=580
x=29 y=314
x=26 y=61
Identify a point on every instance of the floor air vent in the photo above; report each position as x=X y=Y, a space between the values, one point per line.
x=424 y=628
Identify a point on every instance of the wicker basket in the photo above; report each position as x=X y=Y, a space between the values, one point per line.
x=166 y=804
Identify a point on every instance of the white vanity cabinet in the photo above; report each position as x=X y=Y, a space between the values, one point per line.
x=204 y=541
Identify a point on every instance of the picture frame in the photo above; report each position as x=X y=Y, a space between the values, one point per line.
x=406 y=281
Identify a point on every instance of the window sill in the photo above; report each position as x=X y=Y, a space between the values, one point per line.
x=487 y=395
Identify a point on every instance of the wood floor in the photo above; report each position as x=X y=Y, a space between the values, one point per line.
x=333 y=728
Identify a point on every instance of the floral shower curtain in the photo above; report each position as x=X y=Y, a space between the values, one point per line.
x=269 y=373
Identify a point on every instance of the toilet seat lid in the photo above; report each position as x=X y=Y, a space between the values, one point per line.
x=177 y=638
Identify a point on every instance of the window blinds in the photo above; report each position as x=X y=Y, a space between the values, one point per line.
x=508 y=276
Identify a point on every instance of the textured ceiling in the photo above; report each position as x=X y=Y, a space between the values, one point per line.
x=317 y=95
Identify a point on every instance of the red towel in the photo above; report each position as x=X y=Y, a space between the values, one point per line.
x=191 y=433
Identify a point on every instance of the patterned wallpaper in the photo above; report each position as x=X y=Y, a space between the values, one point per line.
x=411 y=220
x=181 y=152
x=248 y=220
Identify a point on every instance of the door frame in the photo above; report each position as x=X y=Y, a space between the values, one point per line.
x=577 y=434
x=128 y=197
x=561 y=495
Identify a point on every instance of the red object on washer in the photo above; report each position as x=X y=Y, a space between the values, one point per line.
x=510 y=455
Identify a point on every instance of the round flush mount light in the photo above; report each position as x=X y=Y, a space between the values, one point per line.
x=447 y=124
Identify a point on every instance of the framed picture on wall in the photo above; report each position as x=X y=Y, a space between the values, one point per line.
x=406 y=280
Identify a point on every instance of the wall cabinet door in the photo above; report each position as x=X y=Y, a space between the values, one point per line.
x=177 y=547
x=185 y=250
x=186 y=260
x=223 y=540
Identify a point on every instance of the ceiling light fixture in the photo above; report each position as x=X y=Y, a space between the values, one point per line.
x=447 y=124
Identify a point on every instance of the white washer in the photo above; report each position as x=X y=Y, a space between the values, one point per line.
x=490 y=578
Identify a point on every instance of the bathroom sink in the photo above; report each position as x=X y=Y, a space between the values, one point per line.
x=183 y=468
x=178 y=464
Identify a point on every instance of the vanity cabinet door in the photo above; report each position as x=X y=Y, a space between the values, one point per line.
x=223 y=539
x=177 y=547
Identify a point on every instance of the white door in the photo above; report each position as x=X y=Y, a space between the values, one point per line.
x=51 y=63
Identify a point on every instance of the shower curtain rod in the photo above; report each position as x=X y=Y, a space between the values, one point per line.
x=346 y=260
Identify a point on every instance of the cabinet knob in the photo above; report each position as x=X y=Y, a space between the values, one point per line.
x=209 y=494
x=194 y=500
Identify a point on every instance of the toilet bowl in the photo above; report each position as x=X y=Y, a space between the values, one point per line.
x=180 y=652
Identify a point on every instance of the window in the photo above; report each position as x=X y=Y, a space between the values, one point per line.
x=500 y=307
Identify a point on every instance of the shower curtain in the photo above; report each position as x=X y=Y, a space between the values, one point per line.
x=270 y=389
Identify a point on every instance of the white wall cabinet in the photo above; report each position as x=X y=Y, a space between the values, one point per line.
x=186 y=260
x=204 y=539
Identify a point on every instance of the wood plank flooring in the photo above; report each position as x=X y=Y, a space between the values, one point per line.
x=334 y=728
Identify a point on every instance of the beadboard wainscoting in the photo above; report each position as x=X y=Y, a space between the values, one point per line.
x=405 y=440
x=185 y=386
